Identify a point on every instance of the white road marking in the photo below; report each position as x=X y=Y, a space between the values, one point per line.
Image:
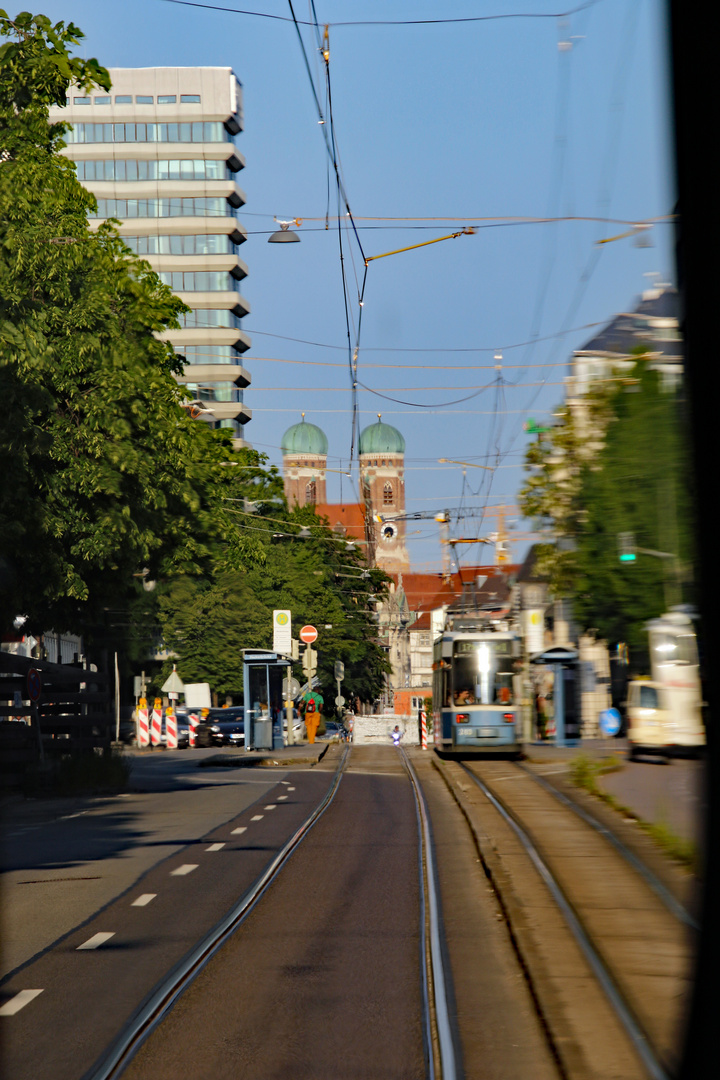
x=215 y=847
x=272 y=806
x=236 y=832
x=186 y=868
x=285 y=782
x=144 y=899
x=95 y=941
x=291 y=789
x=258 y=817
x=15 y=1004
x=281 y=797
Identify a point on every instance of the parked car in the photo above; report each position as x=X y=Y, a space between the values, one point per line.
x=227 y=726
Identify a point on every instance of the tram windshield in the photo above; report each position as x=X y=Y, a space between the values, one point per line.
x=482 y=672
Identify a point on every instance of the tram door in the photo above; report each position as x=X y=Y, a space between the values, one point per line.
x=571 y=698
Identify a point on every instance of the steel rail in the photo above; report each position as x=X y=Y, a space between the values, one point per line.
x=632 y=1028
x=167 y=992
x=448 y=1067
x=674 y=906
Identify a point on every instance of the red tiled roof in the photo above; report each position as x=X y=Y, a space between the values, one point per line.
x=427 y=591
x=351 y=516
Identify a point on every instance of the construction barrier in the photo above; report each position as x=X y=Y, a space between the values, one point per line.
x=156 y=727
x=171 y=735
x=193 y=721
x=423 y=730
x=143 y=731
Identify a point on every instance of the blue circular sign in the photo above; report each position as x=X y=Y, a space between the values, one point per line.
x=610 y=721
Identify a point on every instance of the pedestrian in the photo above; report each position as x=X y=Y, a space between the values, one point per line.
x=396 y=735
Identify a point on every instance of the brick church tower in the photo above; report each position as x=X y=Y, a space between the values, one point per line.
x=304 y=448
x=382 y=474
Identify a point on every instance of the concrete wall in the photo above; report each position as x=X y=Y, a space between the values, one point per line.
x=375 y=730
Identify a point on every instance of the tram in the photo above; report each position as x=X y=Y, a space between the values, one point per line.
x=477 y=686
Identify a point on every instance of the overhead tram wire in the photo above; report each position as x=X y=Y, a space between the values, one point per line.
x=616 y=110
x=331 y=146
x=389 y=22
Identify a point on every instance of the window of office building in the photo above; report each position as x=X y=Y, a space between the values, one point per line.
x=189 y=99
x=196 y=131
x=161 y=208
x=208 y=318
x=198 y=280
x=206 y=244
x=208 y=354
x=222 y=391
x=124 y=170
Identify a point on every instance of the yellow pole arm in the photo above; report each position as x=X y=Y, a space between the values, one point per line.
x=469 y=231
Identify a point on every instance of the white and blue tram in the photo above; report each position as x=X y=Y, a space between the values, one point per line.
x=477 y=689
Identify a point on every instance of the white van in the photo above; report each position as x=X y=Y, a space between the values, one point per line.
x=662 y=721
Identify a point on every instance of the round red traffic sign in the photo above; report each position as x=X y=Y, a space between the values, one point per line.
x=308 y=634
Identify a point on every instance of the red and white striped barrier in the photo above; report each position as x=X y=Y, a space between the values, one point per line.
x=143 y=731
x=423 y=730
x=193 y=722
x=171 y=738
x=156 y=727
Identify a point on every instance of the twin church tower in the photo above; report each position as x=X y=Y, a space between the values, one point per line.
x=382 y=488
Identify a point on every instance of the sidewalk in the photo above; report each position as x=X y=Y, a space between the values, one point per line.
x=672 y=795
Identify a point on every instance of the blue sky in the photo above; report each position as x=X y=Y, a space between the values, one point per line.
x=438 y=127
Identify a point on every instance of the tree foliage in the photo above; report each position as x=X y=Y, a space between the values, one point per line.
x=208 y=621
x=618 y=465
x=104 y=471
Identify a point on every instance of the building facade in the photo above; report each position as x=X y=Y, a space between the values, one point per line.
x=382 y=479
x=158 y=153
x=304 y=448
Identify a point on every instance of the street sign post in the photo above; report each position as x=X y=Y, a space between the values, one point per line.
x=339 y=670
x=282 y=632
x=308 y=634
x=339 y=701
x=309 y=662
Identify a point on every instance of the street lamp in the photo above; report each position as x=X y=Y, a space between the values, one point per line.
x=283 y=234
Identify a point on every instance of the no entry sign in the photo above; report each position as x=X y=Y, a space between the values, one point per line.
x=308 y=634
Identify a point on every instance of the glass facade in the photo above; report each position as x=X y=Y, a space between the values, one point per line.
x=198 y=280
x=210 y=317
x=198 y=131
x=207 y=244
x=122 y=169
x=218 y=391
x=163 y=208
x=209 y=354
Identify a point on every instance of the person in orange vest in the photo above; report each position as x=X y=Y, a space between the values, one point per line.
x=313 y=702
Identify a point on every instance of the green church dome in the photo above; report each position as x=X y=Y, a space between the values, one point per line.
x=381 y=439
x=304 y=438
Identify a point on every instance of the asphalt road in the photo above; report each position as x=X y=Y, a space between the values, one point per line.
x=322 y=980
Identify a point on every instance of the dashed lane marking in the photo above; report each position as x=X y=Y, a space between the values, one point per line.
x=258 y=817
x=96 y=941
x=281 y=797
x=291 y=789
x=15 y=1004
x=215 y=847
x=144 y=899
x=186 y=868
x=236 y=832
x=272 y=806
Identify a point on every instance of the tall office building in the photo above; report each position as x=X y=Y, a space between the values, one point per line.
x=158 y=152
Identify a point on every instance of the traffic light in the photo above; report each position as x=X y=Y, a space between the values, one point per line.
x=626 y=547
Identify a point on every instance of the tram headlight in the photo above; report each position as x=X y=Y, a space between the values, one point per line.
x=509 y=716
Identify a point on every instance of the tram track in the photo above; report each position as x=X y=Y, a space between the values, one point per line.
x=569 y=855
x=179 y=990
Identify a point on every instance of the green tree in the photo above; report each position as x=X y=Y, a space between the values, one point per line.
x=105 y=473
x=618 y=463
x=300 y=566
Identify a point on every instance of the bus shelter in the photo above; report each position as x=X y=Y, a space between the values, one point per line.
x=566 y=691
x=263 y=674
